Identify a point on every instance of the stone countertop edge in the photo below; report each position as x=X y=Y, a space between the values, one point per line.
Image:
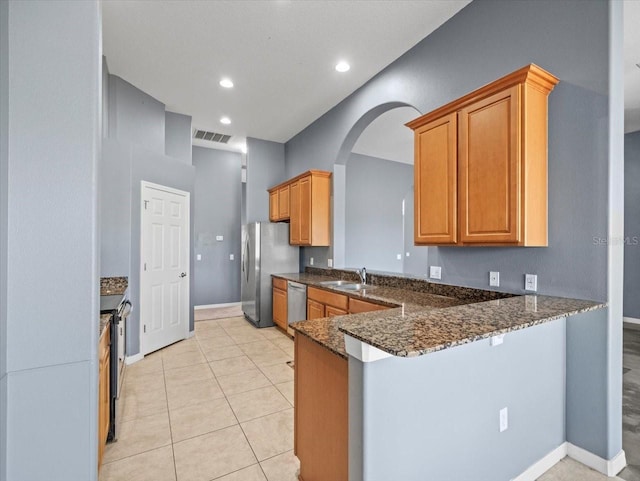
x=415 y=330
x=423 y=333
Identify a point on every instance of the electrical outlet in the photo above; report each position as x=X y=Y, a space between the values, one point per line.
x=199 y=257
x=311 y=261
x=408 y=254
x=399 y=257
x=435 y=272
x=231 y=257
x=219 y=238
x=497 y=340
x=494 y=278
x=530 y=282
x=329 y=262
x=504 y=419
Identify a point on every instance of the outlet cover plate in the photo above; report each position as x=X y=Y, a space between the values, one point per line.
x=494 y=278
x=435 y=272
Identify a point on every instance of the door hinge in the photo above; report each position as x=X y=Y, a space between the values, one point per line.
x=145 y=266
x=144 y=327
x=146 y=203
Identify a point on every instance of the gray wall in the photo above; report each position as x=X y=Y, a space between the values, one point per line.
x=130 y=156
x=374 y=222
x=115 y=209
x=135 y=117
x=177 y=136
x=265 y=168
x=4 y=231
x=168 y=172
x=216 y=212
x=459 y=420
x=632 y=225
x=48 y=378
x=484 y=41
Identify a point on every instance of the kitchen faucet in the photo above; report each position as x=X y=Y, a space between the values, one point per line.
x=363 y=275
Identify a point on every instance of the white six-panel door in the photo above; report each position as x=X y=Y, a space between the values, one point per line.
x=164 y=270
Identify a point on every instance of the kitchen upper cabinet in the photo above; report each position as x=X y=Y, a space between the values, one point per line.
x=274 y=206
x=283 y=202
x=481 y=165
x=435 y=188
x=305 y=202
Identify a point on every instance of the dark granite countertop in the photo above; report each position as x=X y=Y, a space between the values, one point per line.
x=425 y=323
x=113 y=285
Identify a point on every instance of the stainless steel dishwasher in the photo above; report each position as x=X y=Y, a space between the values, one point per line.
x=296 y=302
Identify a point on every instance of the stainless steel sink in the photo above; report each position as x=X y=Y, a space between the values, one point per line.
x=346 y=285
x=355 y=287
x=335 y=283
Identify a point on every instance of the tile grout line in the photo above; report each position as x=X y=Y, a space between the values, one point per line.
x=239 y=425
x=166 y=393
x=234 y=414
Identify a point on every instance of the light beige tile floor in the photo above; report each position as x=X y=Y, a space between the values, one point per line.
x=218 y=406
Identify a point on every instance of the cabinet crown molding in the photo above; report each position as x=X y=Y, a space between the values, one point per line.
x=530 y=74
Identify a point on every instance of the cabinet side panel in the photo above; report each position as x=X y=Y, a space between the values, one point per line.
x=534 y=172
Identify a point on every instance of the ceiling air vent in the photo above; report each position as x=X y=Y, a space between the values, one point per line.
x=211 y=136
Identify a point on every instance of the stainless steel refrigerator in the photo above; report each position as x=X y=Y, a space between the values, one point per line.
x=265 y=251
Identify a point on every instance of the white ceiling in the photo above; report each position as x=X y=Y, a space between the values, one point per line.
x=631 y=70
x=280 y=55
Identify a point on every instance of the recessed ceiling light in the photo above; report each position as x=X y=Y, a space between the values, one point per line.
x=342 y=66
x=225 y=120
x=226 y=83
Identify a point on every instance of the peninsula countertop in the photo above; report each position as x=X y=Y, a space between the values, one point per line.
x=425 y=323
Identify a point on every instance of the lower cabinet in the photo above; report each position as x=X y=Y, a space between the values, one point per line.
x=321 y=303
x=103 y=391
x=280 y=303
x=321 y=412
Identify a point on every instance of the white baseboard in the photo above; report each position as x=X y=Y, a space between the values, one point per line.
x=190 y=334
x=607 y=467
x=228 y=304
x=543 y=465
x=631 y=320
x=132 y=359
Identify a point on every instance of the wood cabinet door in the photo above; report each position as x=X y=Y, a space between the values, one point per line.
x=356 y=306
x=274 y=214
x=315 y=310
x=280 y=307
x=435 y=173
x=103 y=394
x=334 y=311
x=294 y=212
x=489 y=169
x=305 y=210
x=283 y=202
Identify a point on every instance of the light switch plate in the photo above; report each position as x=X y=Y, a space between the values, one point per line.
x=329 y=262
x=497 y=340
x=435 y=272
x=199 y=257
x=311 y=261
x=231 y=257
x=219 y=238
x=399 y=257
x=494 y=278
x=530 y=282
x=504 y=419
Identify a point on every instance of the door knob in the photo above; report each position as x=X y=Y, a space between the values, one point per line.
x=183 y=274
